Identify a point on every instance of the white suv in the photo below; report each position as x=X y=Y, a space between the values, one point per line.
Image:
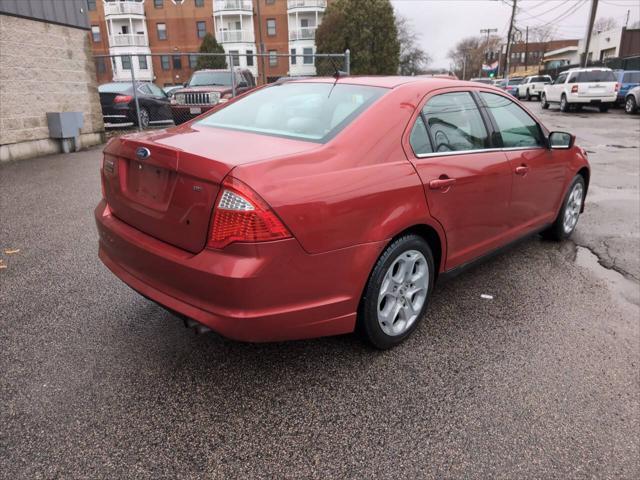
x=582 y=86
x=533 y=86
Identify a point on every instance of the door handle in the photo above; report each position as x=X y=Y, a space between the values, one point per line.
x=522 y=170
x=441 y=183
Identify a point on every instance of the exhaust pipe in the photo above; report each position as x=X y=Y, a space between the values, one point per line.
x=198 y=327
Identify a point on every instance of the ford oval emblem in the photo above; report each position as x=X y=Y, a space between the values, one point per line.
x=143 y=153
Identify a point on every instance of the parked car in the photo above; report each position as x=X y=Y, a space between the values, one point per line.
x=533 y=86
x=627 y=80
x=206 y=89
x=512 y=84
x=486 y=80
x=596 y=87
x=119 y=107
x=170 y=90
x=502 y=83
x=306 y=208
x=632 y=100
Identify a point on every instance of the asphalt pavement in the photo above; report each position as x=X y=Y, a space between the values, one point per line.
x=542 y=381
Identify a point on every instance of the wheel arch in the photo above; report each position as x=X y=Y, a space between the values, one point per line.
x=586 y=175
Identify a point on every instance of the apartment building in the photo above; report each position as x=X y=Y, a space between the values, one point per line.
x=160 y=34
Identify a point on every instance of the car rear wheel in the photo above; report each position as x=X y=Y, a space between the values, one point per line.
x=567 y=219
x=543 y=101
x=528 y=95
x=144 y=118
x=397 y=292
x=630 y=105
x=564 y=104
x=604 y=108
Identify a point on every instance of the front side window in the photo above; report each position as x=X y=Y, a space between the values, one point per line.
x=631 y=77
x=314 y=112
x=271 y=27
x=515 y=126
x=561 y=79
x=455 y=122
x=162 y=31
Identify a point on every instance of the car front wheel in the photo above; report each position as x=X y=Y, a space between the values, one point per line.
x=567 y=218
x=397 y=292
x=630 y=105
x=564 y=104
x=543 y=101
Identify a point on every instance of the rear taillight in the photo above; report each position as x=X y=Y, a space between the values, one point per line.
x=122 y=99
x=617 y=86
x=240 y=215
x=574 y=89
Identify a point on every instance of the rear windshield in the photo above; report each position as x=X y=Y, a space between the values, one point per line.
x=515 y=81
x=210 y=78
x=631 y=77
x=593 y=76
x=307 y=111
x=540 y=79
x=114 y=87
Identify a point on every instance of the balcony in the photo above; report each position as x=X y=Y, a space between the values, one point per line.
x=304 y=33
x=235 y=36
x=128 y=40
x=232 y=5
x=302 y=5
x=123 y=8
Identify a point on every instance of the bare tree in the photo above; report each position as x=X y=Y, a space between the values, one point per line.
x=541 y=34
x=604 y=23
x=469 y=54
x=413 y=60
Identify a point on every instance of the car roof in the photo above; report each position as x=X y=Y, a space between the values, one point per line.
x=589 y=69
x=388 y=81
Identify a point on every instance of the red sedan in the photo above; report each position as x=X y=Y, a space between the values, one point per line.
x=314 y=207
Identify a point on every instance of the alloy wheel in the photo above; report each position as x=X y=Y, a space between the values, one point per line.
x=573 y=207
x=403 y=292
x=630 y=105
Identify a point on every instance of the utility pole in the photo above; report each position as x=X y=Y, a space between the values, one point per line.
x=260 y=44
x=626 y=22
x=488 y=31
x=526 y=50
x=513 y=17
x=587 y=38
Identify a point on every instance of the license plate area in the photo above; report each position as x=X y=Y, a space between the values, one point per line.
x=195 y=110
x=149 y=185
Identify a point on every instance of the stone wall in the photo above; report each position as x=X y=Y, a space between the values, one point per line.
x=44 y=68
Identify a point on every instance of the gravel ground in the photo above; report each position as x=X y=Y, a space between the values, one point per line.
x=540 y=382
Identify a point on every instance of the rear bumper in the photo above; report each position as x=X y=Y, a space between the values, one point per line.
x=610 y=100
x=270 y=291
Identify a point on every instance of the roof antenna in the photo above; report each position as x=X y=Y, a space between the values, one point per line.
x=336 y=74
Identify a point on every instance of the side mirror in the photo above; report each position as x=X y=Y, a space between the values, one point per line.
x=561 y=140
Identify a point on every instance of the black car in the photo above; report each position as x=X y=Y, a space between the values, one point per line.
x=119 y=106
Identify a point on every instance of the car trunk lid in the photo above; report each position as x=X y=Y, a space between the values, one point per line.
x=165 y=184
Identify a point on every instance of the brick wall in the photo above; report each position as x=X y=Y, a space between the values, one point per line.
x=44 y=68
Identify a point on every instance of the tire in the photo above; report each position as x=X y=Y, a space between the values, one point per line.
x=528 y=96
x=564 y=104
x=630 y=105
x=397 y=293
x=144 y=118
x=563 y=228
x=543 y=101
x=603 y=108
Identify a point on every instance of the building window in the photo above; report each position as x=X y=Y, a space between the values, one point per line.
x=158 y=3
x=100 y=65
x=91 y=5
x=126 y=62
x=201 y=29
x=271 y=27
x=177 y=62
x=164 y=61
x=199 y=3
x=308 y=56
x=293 y=56
x=235 y=57
x=162 y=31
x=273 y=58
x=95 y=33
x=193 y=61
x=270 y=2
x=249 y=58
x=142 y=62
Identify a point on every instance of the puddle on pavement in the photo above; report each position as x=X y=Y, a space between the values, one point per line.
x=620 y=146
x=622 y=287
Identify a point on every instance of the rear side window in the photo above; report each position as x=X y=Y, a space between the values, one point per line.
x=561 y=79
x=631 y=77
x=455 y=122
x=515 y=126
x=419 y=138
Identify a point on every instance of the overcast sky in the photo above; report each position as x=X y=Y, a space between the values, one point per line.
x=442 y=23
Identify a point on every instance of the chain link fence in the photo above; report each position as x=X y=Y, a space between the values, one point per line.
x=145 y=91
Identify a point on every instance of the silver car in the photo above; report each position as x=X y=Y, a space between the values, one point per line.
x=632 y=100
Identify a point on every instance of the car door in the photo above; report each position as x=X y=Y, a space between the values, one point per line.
x=555 y=89
x=467 y=182
x=162 y=103
x=538 y=172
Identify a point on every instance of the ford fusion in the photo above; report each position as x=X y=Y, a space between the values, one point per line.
x=319 y=207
